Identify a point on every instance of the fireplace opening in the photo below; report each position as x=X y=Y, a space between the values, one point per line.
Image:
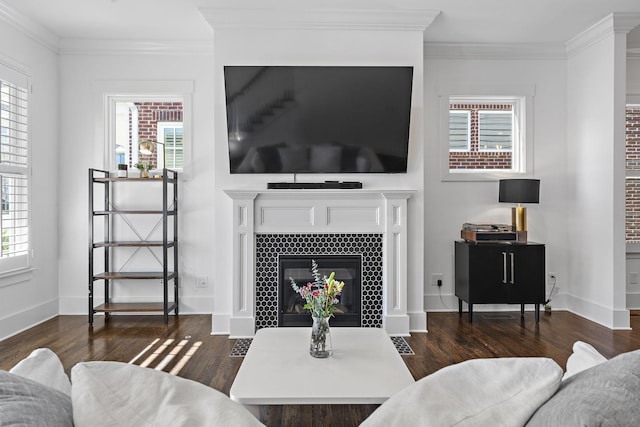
x=347 y=268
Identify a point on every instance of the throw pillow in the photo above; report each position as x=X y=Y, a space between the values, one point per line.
x=479 y=392
x=584 y=356
x=606 y=395
x=119 y=394
x=43 y=366
x=24 y=402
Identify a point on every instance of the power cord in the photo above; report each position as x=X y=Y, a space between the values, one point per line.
x=553 y=288
x=440 y=295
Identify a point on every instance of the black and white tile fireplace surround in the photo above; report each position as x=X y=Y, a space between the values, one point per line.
x=302 y=213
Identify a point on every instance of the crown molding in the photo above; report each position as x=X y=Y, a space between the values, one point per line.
x=615 y=23
x=28 y=27
x=134 y=47
x=633 y=53
x=320 y=19
x=440 y=50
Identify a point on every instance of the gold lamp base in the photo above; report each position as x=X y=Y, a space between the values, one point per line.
x=519 y=223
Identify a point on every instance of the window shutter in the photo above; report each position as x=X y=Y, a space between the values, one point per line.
x=174 y=148
x=459 y=130
x=14 y=170
x=495 y=130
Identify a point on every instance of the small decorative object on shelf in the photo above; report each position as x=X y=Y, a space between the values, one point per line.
x=321 y=297
x=123 y=171
x=144 y=169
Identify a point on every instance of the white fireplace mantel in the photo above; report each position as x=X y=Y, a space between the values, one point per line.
x=320 y=211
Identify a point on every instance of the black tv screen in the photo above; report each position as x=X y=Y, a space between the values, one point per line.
x=316 y=119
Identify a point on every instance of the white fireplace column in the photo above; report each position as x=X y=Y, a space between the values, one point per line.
x=318 y=212
x=242 y=318
x=394 y=296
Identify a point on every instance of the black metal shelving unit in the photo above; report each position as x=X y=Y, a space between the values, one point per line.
x=168 y=244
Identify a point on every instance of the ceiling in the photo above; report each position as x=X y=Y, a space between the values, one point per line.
x=460 y=21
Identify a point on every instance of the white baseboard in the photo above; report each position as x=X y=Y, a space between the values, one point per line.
x=633 y=301
x=220 y=324
x=418 y=321
x=606 y=316
x=21 y=321
x=242 y=327
x=396 y=325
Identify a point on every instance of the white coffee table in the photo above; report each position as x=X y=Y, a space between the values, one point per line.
x=365 y=368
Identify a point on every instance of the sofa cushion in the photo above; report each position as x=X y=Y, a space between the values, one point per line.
x=584 y=356
x=43 y=366
x=24 y=402
x=119 y=394
x=479 y=392
x=606 y=395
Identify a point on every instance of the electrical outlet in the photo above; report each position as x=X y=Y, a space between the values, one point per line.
x=633 y=278
x=437 y=279
x=202 y=282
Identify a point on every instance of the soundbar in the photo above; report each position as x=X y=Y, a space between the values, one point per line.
x=314 y=185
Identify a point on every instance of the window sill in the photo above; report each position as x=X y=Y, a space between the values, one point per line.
x=15 y=277
x=482 y=176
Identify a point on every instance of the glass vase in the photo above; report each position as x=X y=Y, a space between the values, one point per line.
x=320 y=345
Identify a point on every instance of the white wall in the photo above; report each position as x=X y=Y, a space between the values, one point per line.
x=596 y=92
x=81 y=77
x=450 y=204
x=30 y=298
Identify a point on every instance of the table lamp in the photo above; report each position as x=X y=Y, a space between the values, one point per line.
x=149 y=147
x=519 y=191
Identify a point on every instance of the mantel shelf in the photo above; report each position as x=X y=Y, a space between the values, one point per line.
x=321 y=193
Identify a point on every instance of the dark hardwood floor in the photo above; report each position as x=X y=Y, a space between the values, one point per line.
x=450 y=339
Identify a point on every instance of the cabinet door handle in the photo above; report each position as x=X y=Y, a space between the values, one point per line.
x=512 y=270
x=504 y=267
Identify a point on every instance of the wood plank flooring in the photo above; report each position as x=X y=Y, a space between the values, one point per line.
x=450 y=339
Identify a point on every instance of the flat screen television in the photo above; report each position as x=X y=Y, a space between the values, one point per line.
x=317 y=119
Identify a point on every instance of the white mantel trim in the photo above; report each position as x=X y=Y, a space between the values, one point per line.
x=312 y=211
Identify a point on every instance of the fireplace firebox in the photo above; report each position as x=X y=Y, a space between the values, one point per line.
x=347 y=268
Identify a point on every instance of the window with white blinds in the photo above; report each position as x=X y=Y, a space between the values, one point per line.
x=171 y=134
x=459 y=130
x=14 y=170
x=495 y=130
x=488 y=137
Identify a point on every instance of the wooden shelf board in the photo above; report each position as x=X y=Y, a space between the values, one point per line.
x=133 y=243
x=132 y=306
x=133 y=212
x=115 y=179
x=117 y=275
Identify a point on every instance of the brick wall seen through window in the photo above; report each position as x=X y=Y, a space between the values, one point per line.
x=633 y=174
x=149 y=114
x=478 y=157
